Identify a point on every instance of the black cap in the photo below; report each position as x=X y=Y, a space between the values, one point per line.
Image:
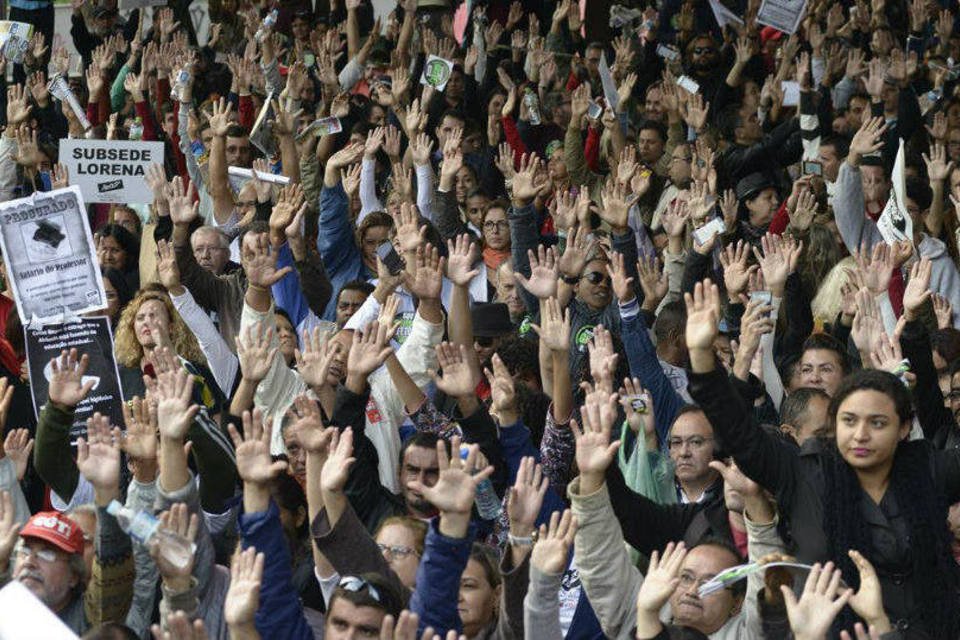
x=753 y=184
x=490 y=320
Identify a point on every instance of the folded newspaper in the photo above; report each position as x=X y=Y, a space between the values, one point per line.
x=734 y=574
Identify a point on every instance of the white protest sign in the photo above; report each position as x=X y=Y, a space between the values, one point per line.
x=23 y=615
x=895 y=222
x=609 y=86
x=723 y=15
x=128 y=5
x=436 y=72
x=783 y=15
x=15 y=39
x=50 y=256
x=111 y=170
x=791 y=93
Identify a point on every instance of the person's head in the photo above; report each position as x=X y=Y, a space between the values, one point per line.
x=238 y=149
x=857 y=109
x=296 y=455
x=450 y=120
x=702 y=54
x=918 y=199
x=651 y=139
x=117 y=248
x=496 y=228
x=803 y=414
x=291 y=502
x=118 y=292
x=127 y=218
x=823 y=363
x=556 y=165
x=709 y=613
x=400 y=539
x=479 y=590
x=300 y=25
x=832 y=152
x=418 y=461
x=692 y=448
x=740 y=124
x=653 y=103
x=358 y=606
x=102 y=20
x=669 y=329
x=591 y=58
x=466 y=182
x=350 y=298
x=594 y=285
x=946 y=349
x=557 y=106
x=48 y=559
x=375 y=229
x=507 y=291
x=881 y=41
x=211 y=248
x=491 y=323
x=871 y=413
x=680 y=169
x=758 y=198
x=953 y=396
x=151 y=313
x=286 y=334
x=873 y=177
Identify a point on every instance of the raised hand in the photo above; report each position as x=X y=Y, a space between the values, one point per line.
x=603 y=359
x=867 y=323
x=621 y=282
x=98 y=458
x=867 y=140
x=410 y=233
x=314 y=362
x=461 y=258
x=638 y=409
x=336 y=468
x=875 y=271
x=918 y=288
x=67 y=386
x=661 y=580
x=776 y=262
x=370 y=349
x=525 y=183
x=552 y=549
x=456 y=486
x=175 y=409
x=653 y=282
x=674 y=219
x=9 y=529
x=616 y=201
x=243 y=596
x=594 y=449
x=219 y=118
x=703 y=316
x=18 y=105
x=867 y=602
x=459 y=377
x=503 y=392
x=261 y=265
x=571 y=209
x=736 y=273
x=526 y=497
x=313 y=437
x=819 y=604
x=554 y=327
x=140 y=439
x=256 y=352
x=254 y=463
x=544 y=271
x=183 y=210
x=426 y=281
x=943 y=310
x=181 y=522
x=17 y=446
x=580 y=245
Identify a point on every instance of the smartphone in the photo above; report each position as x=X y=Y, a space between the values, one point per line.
x=765 y=298
x=812 y=168
x=688 y=84
x=390 y=258
x=916 y=45
x=594 y=111
x=707 y=231
x=668 y=53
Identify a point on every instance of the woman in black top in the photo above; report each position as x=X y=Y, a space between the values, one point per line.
x=868 y=489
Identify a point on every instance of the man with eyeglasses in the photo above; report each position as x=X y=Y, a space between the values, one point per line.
x=211 y=249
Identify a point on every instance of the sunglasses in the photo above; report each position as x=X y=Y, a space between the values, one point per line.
x=354 y=584
x=703 y=50
x=596 y=277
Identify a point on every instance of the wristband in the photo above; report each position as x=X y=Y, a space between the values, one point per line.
x=525 y=541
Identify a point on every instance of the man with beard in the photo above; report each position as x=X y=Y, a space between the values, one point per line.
x=507 y=294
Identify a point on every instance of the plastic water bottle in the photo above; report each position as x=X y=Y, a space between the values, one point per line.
x=488 y=504
x=136 y=129
x=145 y=529
x=533 y=105
x=268 y=21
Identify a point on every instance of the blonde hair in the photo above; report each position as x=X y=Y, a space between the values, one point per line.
x=829 y=300
x=128 y=349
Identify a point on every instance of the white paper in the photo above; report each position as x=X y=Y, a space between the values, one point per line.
x=791 y=92
x=50 y=256
x=59 y=88
x=261 y=135
x=127 y=5
x=895 y=222
x=723 y=15
x=783 y=15
x=436 y=72
x=704 y=233
x=24 y=616
x=15 y=39
x=273 y=178
x=609 y=86
x=111 y=170
x=688 y=84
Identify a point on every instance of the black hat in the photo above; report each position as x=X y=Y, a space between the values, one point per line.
x=753 y=184
x=490 y=320
x=103 y=12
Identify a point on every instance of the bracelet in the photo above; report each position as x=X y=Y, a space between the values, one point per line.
x=525 y=541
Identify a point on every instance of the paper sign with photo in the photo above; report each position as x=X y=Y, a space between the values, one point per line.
x=50 y=256
x=436 y=72
x=15 y=39
x=783 y=15
x=895 y=222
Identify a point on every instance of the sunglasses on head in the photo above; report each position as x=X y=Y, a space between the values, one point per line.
x=354 y=584
x=596 y=277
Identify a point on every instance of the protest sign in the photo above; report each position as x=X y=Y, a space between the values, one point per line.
x=51 y=260
x=783 y=15
x=436 y=72
x=111 y=170
x=261 y=135
x=723 y=15
x=15 y=39
x=24 y=615
x=895 y=222
x=60 y=89
x=129 y=5
x=91 y=337
x=609 y=86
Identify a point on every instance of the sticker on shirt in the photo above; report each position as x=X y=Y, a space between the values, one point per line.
x=373 y=412
x=524 y=327
x=405 y=320
x=583 y=337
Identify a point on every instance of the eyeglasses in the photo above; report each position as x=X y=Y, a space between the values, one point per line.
x=398 y=551
x=492 y=225
x=688 y=579
x=703 y=50
x=354 y=584
x=48 y=556
x=596 y=277
x=695 y=442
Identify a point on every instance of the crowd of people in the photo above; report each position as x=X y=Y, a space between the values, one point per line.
x=532 y=320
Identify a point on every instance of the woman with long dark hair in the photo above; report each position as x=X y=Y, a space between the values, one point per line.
x=868 y=489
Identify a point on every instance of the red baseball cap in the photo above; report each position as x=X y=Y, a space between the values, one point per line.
x=55 y=528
